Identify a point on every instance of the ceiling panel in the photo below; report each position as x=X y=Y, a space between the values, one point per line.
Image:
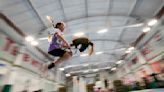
x=73 y=9
x=147 y=8
x=27 y=26
x=121 y=7
x=108 y=46
x=16 y=8
x=98 y=7
x=51 y=8
x=75 y=14
x=113 y=34
x=43 y=3
x=71 y=3
x=24 y=16
x=115 y=21
x=97 y=11
x=5 y=3
x=130 y=35
x=78 y=27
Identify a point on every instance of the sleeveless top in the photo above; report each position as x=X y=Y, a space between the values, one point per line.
x=55 y=43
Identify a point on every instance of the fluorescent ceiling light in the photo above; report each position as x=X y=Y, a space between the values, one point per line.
x=79 y=34
x=120 y=49
x=146 y=29
x=113 y=69
x=29 y=38
x=119 y=62
x=95 y=70
x=67 y=75
x=84 y=55
x=61 y=69
x=131 y=26
x=136 y=25
x=127 y=51
x=152 y=22
x=102 y=31
x=68 y=66
x=44 y=38
x=97 y=53
x=86 y=71
x=34 y=43
x=131 y=48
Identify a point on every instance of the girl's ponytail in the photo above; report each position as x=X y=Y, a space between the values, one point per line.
x=91 y=50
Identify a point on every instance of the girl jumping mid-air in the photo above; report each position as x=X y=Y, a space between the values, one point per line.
x=59 y=46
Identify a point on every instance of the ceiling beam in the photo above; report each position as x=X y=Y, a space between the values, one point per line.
x=158 y=15
x=81 y=71
x=11 y=24
x=86 y=14
x=107 y=18
x=104 y=15
x=89 y=64
x=63 y=11
x=64 y=14
x=71 y=62
x=86 y=8
x=110 y=40
x=37 y=14
x=108 y=12
x=85 y=18
x=126 y=21
x=159 y=12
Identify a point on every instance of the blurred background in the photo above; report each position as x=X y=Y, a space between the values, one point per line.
x=128 y=37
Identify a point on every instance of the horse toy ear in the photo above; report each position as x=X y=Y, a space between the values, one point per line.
x=49 y=38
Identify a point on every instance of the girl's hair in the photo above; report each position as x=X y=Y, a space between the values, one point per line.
x=91 y=49
x=58 y=24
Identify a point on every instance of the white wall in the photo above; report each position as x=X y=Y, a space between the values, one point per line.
x=155 y=47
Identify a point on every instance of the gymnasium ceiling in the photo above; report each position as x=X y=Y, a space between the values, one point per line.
x=121 y=18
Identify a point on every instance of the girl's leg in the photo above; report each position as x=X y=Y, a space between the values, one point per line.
x=66 y=56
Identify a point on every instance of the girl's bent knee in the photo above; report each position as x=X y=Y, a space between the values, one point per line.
x=68 y=54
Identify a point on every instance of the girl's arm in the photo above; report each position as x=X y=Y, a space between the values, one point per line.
x=61 y=38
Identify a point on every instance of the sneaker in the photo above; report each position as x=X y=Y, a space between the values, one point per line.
x=50 y=66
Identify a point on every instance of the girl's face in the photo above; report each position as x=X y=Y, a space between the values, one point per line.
x=62 y=27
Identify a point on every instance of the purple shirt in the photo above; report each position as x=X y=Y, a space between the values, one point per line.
x=56 y=42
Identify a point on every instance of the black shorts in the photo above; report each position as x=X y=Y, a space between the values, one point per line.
x=57 y=52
